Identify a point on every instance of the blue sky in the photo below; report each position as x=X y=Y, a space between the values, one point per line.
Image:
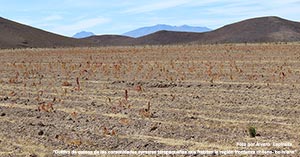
x=68 y=17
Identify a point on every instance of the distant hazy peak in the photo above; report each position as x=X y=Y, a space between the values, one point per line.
x=159 y=27
x=83 y=34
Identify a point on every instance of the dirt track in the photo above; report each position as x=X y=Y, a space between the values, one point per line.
x=200 y=98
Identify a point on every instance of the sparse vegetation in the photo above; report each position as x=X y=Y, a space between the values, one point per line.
x=171 y=97
x=252 y=131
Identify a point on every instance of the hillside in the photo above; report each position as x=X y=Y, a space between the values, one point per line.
x=168 y=37
x=16 y=35
x=263 y=29
x=109 y=40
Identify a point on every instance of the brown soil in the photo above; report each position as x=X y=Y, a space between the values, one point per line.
x=178 y=98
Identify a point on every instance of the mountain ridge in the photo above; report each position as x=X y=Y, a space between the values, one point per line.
x=17 y=35
x=139 y=32
x=261 y=29
x=255 y=30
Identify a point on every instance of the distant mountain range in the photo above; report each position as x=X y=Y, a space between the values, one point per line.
x=256 y=30
x=83 y=34
x=161 y=27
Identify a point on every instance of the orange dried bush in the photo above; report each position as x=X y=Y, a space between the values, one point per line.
x=46 y=107
x=282 y=76
x=138 y=88
x=209 y=71
x=105 y=131
x=12 y=80
x=74 y=142
x=114 y=109
x=66 y=83
x=74 y=114
x=146 y=112
x=124 y=104
x=12 y=94
x=113 y=133
x=124 y=121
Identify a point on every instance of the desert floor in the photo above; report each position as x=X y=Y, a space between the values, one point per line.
x=181 y=97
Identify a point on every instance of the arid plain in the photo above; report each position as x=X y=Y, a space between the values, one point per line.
x=179 y=97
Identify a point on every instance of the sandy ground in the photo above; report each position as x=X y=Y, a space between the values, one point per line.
x=149 y=98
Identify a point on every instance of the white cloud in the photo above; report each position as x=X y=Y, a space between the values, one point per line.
x=70 y=16
x=157 y=6
x=222 y=12
x=79 y=25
